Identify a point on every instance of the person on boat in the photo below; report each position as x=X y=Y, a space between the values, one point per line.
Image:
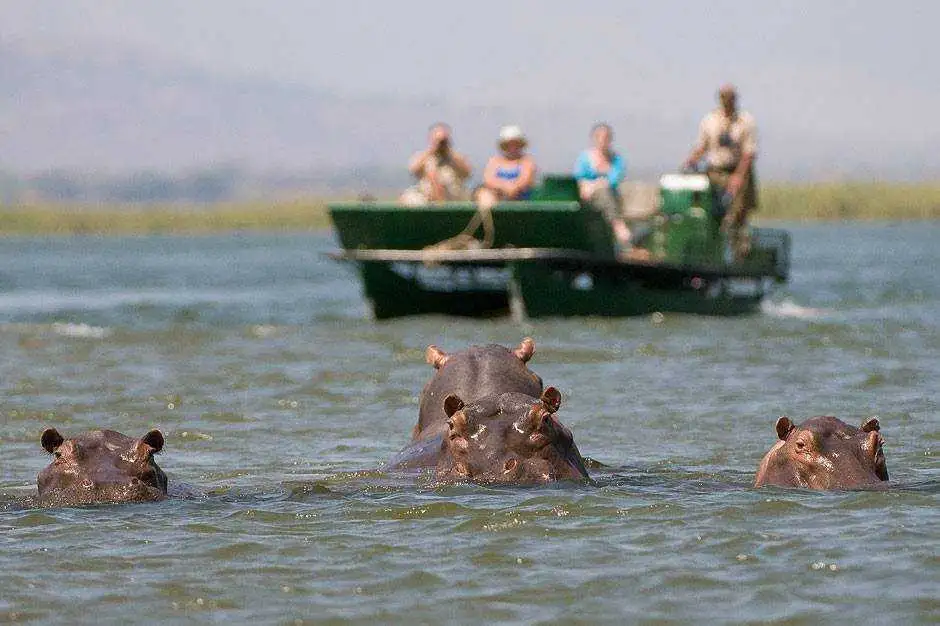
x=727 y=140
x=509 y=175
x=599 y=171
x=441 y=172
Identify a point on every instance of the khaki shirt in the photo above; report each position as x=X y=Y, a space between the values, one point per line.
x=447 y=176
x=741 y=130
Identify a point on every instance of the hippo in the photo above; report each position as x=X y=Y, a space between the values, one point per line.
x=508 y=438
x=101 y=466
x=825 y=453
x=476 y=372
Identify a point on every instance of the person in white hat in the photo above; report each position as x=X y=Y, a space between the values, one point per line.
x=509 y=175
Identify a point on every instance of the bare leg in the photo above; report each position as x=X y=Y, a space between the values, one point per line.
x=486 y=198
x=608 y=202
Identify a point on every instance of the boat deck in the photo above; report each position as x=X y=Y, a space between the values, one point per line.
x=558 y=257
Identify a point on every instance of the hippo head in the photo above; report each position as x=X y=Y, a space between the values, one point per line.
x=473 y=373
x=101 y=466
x=523 y=352
x=825 y=453
x=509 y=438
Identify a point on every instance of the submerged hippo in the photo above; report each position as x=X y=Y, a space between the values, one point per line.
x=825 y=453
x=474 y=373
x=101 y=466
x=508 y=438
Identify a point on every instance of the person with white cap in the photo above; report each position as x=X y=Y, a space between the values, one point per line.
x=509 y=175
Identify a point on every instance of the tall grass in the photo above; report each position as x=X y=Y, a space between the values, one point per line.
x=850 y=201
x=791 y=202
x=154 y=220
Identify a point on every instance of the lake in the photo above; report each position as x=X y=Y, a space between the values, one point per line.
x=281 y=400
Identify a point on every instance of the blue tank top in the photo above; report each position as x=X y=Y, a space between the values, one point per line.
x=512 y=173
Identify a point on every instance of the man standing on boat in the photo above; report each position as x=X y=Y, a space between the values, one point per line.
x=441 y=171
x=727 y=139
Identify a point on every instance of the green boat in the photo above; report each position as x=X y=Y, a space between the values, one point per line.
x=553 y=256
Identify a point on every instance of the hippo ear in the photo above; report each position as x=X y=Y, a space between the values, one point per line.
x=784 y=426
x=551 y=398
x=870 y=425
x=436 y=357
x=51 y=439
x=452 y=404
x=525 y=349
x=154 y=439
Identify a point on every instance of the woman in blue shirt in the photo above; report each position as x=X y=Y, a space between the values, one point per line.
x=599 y=171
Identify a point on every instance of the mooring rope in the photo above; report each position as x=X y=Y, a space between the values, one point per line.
x=465 y=239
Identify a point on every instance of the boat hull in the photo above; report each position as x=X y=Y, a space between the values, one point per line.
x=537 y=283
x=398 y=289
x=577 y=289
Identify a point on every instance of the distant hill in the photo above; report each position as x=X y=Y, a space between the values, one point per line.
x=104 y=114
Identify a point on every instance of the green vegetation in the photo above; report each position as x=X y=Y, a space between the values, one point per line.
x=791 y=202
x=850 y=201
x=108 y=219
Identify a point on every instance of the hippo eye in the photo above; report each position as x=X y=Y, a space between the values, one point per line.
x=800 y=445
x=57 y=454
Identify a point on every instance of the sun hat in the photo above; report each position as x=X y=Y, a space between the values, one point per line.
x=511 y=133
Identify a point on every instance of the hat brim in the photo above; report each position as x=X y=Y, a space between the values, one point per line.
x=522 y=140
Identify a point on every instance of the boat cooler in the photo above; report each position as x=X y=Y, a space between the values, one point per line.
x=687 y=229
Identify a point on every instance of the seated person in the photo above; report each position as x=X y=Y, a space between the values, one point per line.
x=441 y=171
x=599 y=171
x=509 y=175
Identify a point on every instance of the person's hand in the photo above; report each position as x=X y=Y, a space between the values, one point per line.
x=438 y=192
x=507 y=188
x=440 y=140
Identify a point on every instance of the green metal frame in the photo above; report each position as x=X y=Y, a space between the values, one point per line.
x=577 y=272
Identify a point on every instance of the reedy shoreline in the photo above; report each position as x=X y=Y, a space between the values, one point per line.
x=779 y=202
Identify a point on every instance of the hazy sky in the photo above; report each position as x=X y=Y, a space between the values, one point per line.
x=864 y=70
x=502 y=48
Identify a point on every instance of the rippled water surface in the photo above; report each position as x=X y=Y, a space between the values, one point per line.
x=281 y=400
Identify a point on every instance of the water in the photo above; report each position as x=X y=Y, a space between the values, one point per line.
x=281 y=400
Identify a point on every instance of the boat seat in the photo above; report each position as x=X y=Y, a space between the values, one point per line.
x=556 y=187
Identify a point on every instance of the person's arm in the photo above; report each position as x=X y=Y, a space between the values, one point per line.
x=526 y=178
x=746 y=162
x=490 y=180
x=461 y=165
x=617 y=171
x=584 y=174
x=582 y=167
x=417 y=163
x=701 y=144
